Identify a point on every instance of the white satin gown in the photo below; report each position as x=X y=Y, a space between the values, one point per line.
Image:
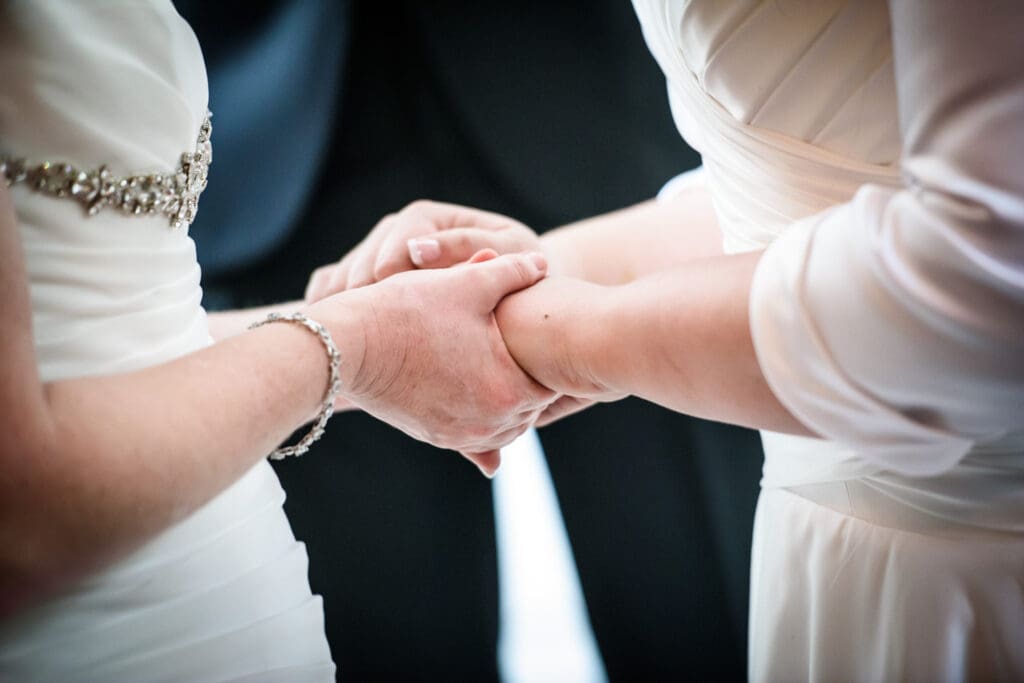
x=878 y=153
x=222 y=596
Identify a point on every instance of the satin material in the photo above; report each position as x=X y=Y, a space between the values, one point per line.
x=885 y=315
x=223 y=595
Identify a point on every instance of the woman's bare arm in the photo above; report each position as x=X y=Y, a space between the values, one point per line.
x=680 y=338
x=90 y=468
x=612 y=248
x=621 y=246
x=224 y=324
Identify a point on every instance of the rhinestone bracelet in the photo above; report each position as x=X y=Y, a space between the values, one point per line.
x=333 y=382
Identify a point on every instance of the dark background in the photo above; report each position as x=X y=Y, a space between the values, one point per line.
x=328 y=115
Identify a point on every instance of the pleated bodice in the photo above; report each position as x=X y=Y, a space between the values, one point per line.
x=121 y=84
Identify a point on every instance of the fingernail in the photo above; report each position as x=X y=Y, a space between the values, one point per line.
x=423 y=251
x=539 y=260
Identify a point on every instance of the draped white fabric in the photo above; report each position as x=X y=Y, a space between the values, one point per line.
x=882 y=164
x=223 y=595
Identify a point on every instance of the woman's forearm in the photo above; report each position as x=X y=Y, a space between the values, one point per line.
x=224 y=324
x=680 y=338
x=116 y=459
x=624 y=245
x=92 y=467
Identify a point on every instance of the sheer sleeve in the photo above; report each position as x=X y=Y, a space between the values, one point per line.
x=894 y=323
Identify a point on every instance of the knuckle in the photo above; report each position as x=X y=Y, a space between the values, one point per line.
x=386 y=266
x=504 y=400
x=435 y=436
x=514 y=434
x=381 y=226
x=355 y=281
x=521 y=270
x=478 y=432
x=462 y=242
x=436 y=432
x=419 y=206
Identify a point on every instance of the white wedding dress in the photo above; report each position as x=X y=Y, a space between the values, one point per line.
x=888 y=316
x=222 y=596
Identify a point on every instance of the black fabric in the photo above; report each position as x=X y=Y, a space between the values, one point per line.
x=548 y=112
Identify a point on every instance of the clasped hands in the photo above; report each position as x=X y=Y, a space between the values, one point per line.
x=469 y=343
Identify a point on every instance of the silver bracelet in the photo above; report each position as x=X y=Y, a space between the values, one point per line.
x=333 y=382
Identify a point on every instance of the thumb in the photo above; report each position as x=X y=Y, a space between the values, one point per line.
x=499 y=276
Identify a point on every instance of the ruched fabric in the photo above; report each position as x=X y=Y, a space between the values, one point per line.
x=224 y=594
x=887 y=313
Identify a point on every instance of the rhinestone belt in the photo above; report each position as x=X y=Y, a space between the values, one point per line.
x=174 y=195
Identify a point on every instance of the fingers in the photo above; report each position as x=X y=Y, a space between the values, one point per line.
x=361 y=272
x=563 y=407
x=422 y=235
x=499 y=276
x=439 y=249
x=358 y=266
x=422 y=251
x=318 y=283
x=395 y=254
x=444 y=249
x=437 y=235
x=351 y=272
x=487 y=462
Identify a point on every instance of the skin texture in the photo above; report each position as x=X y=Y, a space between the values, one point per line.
x=385 y=250
x=694 y=356
x=614 y=248
x=447 y=378
x=646 y=304
x=90 y=468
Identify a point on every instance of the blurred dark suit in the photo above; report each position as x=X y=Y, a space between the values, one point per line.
x=548 y=112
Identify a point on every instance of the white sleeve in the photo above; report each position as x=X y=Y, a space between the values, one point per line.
x=894 y=323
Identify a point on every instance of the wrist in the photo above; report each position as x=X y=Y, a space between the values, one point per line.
x=555 y=332
x=346 y=318
x=224 y=324
x=333 y=384
x=596 y=339
x=605 y=346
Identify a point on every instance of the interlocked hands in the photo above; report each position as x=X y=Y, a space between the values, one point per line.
x=422 y=235
x=433 y=361
x=436 y=364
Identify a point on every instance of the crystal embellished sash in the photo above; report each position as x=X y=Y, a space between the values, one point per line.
x=174 y=195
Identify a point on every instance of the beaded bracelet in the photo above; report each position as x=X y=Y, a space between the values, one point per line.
x=333 y=382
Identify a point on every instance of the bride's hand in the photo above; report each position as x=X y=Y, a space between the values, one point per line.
x=424 y=234
x=551 y=329
x=433 y=362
